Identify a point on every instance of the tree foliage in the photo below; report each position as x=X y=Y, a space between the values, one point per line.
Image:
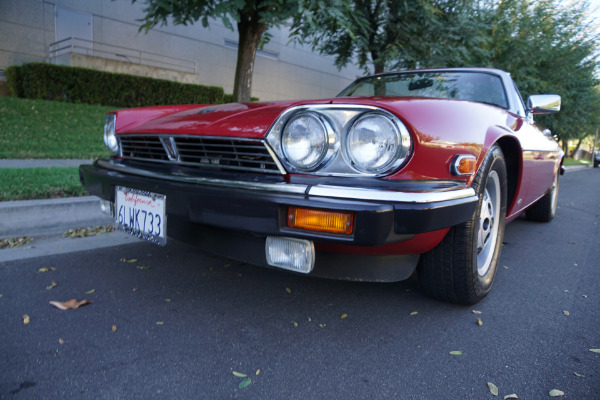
x=252 y=18
x=393 y=33
x=549 y=46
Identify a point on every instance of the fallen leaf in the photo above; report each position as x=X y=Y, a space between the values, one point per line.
x=566 y=313
x=287 y=289
x=479 y=321
x=239 y=374
x=60 y=341
x=456 y=353
x=70 y=304
x=44 y=269
x=556 y=393
x=493 y=388
x=26 y=319
x=322 y=325
x=90 y=291
x=258 y=371
x=295 y=324
x=143 y=267
x=414 y=313
x=168 y=300
x=52 y=285
x=344 y=316
x=14 y=242
x=595 y=350
x=114 y=328
x=89 y=231
x=160 y=323
x=579 y=375
x=511 y=396
x=131 y=261
x=245 y=383
x=477 y=312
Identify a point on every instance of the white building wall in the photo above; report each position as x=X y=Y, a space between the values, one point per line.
x=289 y=71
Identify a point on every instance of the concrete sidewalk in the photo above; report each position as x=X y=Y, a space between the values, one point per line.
x=30 y=163
x=27 y=217
x=41 y=217
x=45 y=221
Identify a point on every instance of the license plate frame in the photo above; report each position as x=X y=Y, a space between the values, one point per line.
x=142 y=214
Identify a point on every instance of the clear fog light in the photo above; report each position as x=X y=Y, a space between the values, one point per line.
x=292 y=254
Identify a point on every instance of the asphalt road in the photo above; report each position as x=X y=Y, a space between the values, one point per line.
x=177 y=324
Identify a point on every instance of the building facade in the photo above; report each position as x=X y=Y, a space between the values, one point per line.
x=104 y=34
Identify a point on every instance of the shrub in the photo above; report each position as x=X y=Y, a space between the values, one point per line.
x=83 y=85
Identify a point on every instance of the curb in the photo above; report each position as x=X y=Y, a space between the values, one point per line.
x=43 y=217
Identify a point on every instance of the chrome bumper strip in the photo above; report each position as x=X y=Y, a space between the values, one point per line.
x=341 y=192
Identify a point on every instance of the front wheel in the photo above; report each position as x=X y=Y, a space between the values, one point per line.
x=461 y=269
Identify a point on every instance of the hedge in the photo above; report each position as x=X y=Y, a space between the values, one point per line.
x=83 y=85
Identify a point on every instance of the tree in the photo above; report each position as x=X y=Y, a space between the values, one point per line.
x=393 y=33
x=252 y=18
x=548 y=46
x=551 y=48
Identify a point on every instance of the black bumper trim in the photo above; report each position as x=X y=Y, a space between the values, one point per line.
x=261 y=208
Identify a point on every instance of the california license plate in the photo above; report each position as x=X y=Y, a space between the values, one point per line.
x=141 y=214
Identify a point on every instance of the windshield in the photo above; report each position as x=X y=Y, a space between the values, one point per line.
x=473 y=86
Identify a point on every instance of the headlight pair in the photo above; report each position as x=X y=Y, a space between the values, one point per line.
x=340 y=140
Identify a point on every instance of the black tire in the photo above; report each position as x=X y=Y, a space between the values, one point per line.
x=596 y=162
x=461 y=269
x=544 y=209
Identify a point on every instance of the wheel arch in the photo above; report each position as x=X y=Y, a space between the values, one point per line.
x=513 y=160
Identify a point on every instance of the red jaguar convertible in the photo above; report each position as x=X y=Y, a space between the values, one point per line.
x=402 y=173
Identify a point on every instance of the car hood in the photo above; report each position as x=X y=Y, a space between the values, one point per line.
x=247 y=120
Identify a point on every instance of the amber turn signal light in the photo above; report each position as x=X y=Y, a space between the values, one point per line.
x=320 y=220
x=464 y=165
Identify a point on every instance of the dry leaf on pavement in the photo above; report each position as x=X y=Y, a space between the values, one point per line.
x=70 y=305
x=493 y=388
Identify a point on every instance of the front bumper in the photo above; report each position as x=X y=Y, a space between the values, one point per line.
x=255 y=206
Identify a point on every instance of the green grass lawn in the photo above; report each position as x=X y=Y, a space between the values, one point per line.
x=50 y=129
x=39 y=183
x=41 y=129
x=570 y=162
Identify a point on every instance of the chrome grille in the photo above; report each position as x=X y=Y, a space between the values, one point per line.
x=200 y=151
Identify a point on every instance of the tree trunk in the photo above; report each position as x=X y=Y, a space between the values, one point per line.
x=250 y=33
x=576 y=148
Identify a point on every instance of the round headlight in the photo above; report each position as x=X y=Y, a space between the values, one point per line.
x=305 y=141
x=374 y=143
x=110 y=137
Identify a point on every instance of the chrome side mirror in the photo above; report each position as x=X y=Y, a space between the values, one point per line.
x=543 y=104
